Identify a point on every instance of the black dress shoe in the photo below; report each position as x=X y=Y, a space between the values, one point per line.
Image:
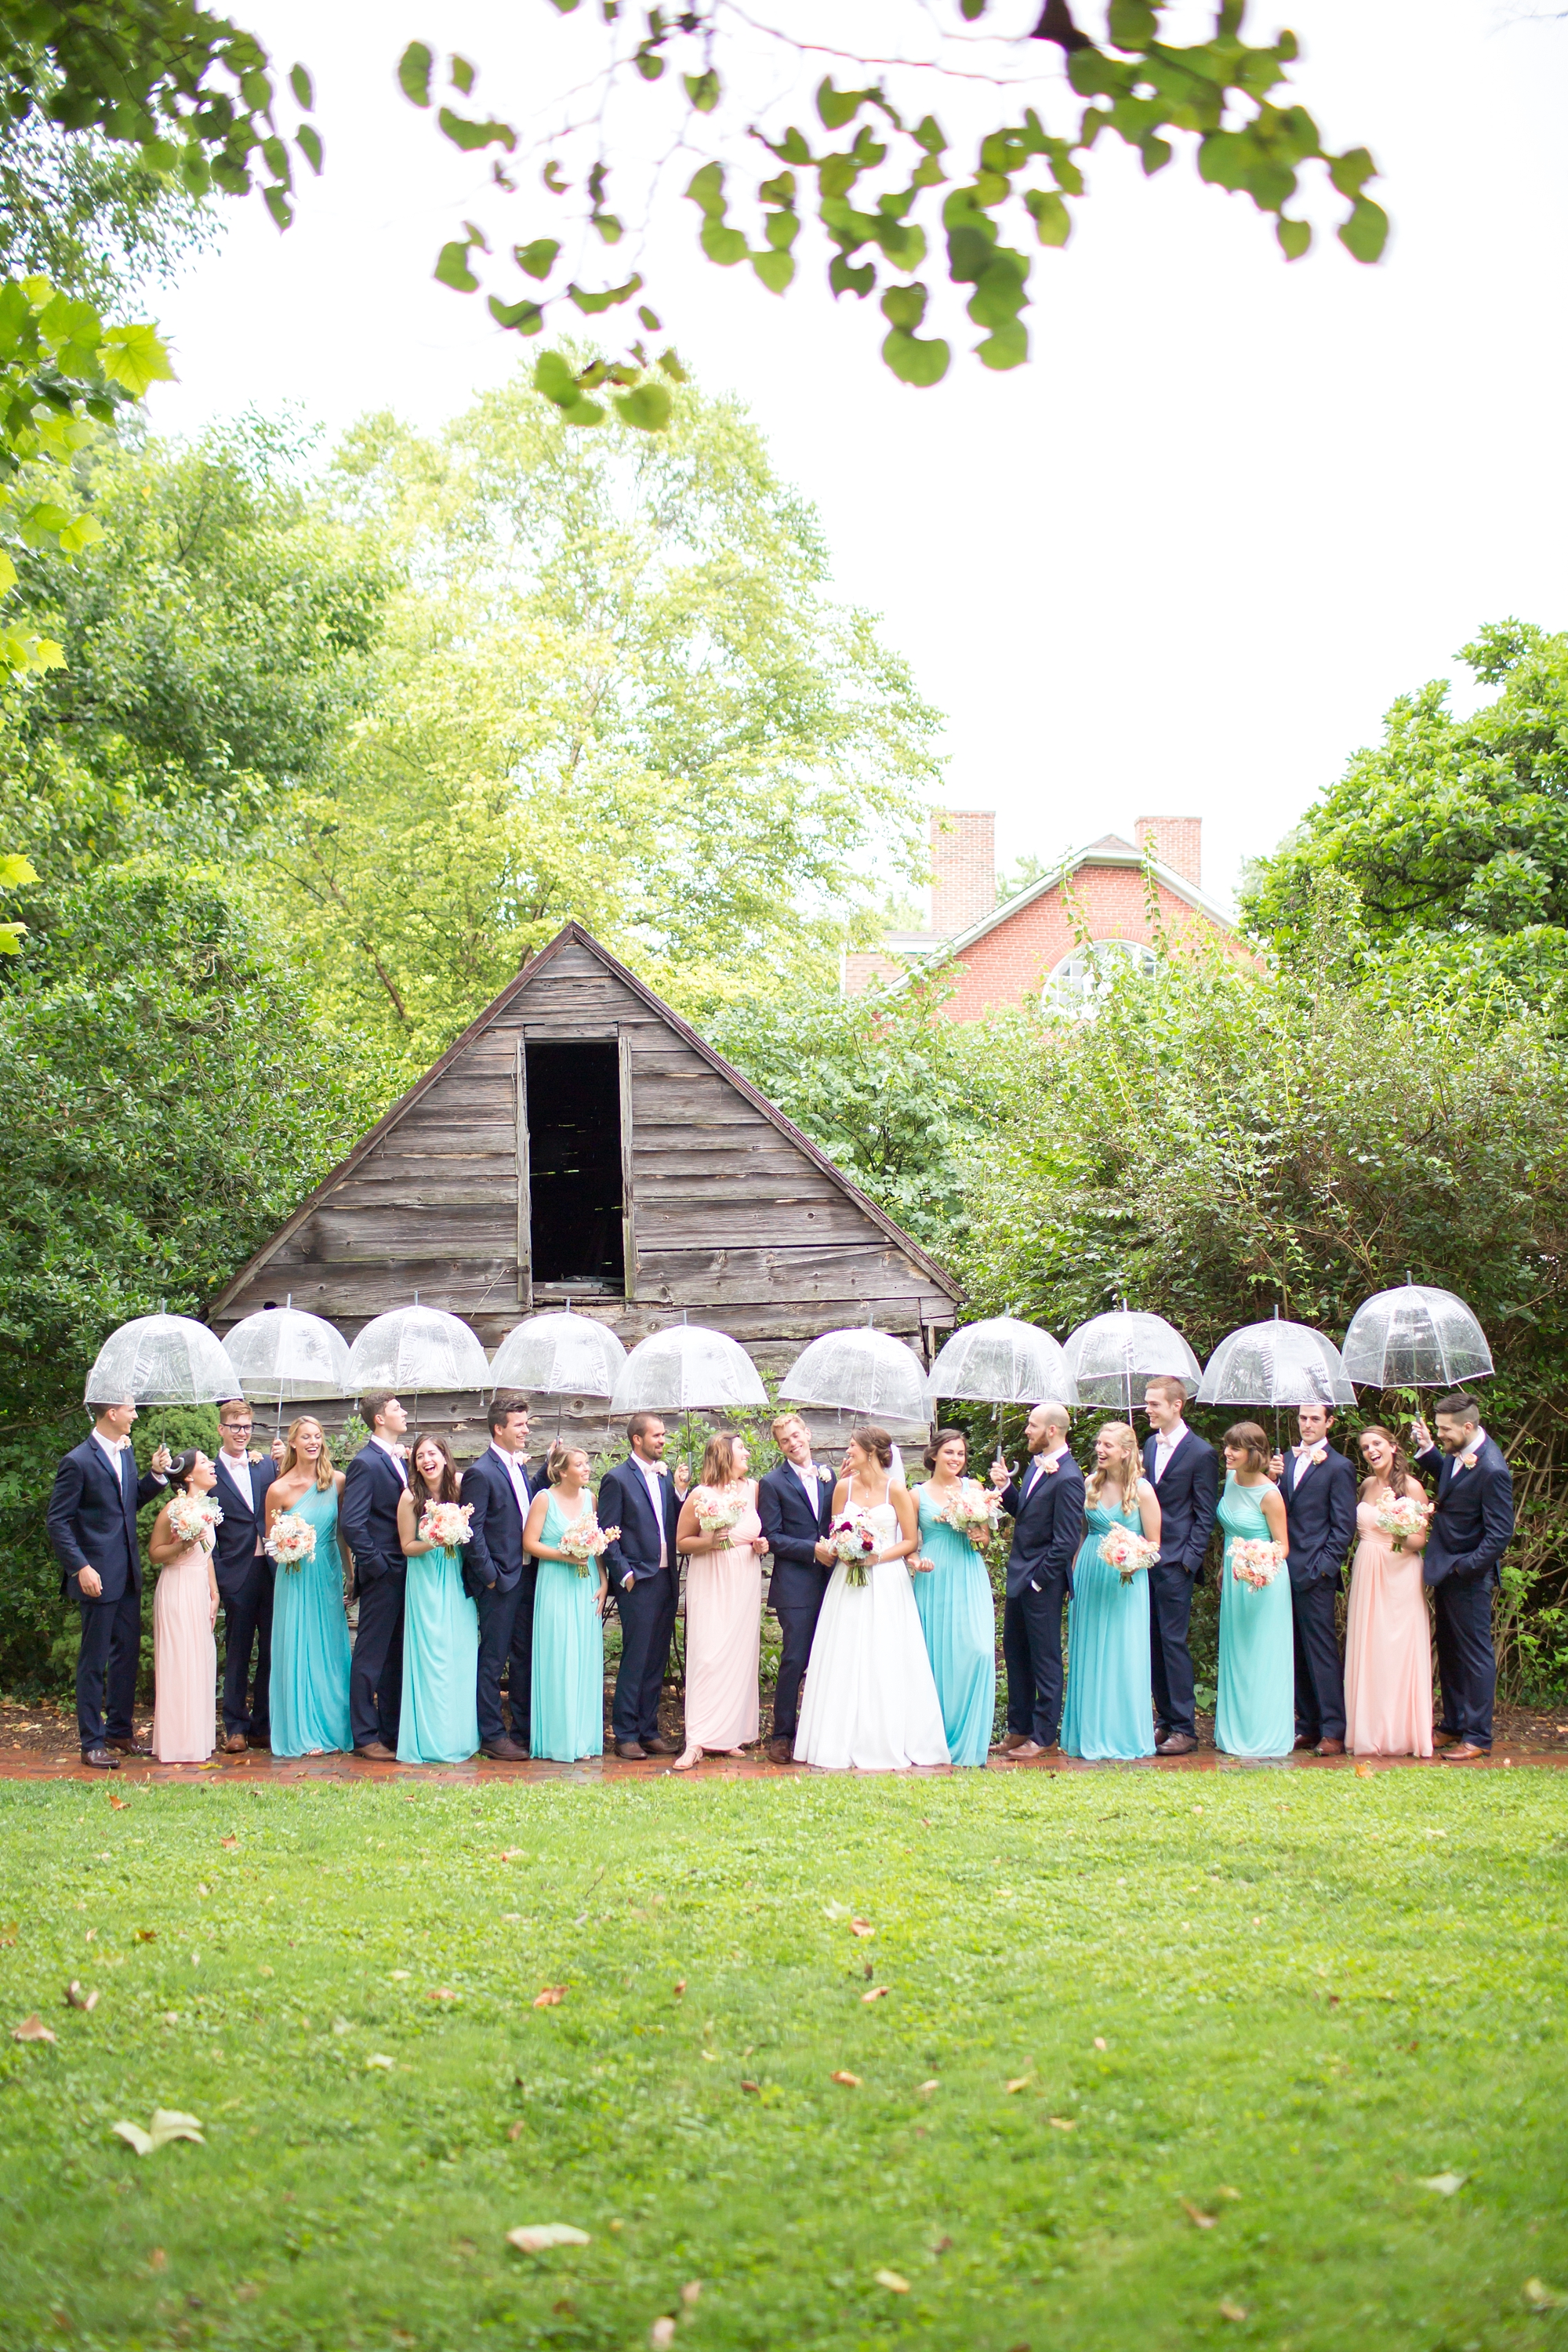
x=505 y=1751
x=781 y=1751
x=631 y=1751
x=131 y=1747
x=102 y=1760
x=660 y=1747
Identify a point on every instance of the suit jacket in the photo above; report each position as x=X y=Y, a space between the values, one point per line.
x=1320 y=1517
x=1473 y=1524
x=493 y=1557
x=1047 y=1524
x=798 y=1579
x=91 y=1519
x=368 y=1516
x=624 y=1503
x=1189 y=1498
x=234 y=1553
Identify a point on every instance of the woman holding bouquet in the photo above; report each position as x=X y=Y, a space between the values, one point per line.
x=1255 y=1713
x=957 y=1612
x=722 y=1537
x=1388 y=1639
x=564 y=1536
x=1108 y=1713
x=441 y=1719
x=184 y=1610
x=312 y=1652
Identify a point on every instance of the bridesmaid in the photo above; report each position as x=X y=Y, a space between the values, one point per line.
x=1108 y=1712
x=723 y=1607
x=312 y=1652
x=958 y=1611
x=568 y=1705
x=184 y=1610
x=440 y=1718
x=1388 y=1639
x=1255 y=1713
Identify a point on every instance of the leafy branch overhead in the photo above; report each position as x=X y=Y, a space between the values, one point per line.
x=897 y=210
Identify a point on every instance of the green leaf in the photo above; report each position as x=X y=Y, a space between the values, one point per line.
x=525 y=316
x=7 y=574
x=15 y=871
x=609 y=228
x=647 y=407
x=904 y=306
x=1053 y=222
x=308 y=142
x=1351 y=172
x=277 y=203
x=670 y=366
x=706 y=189
x=1007 y=348
x=85 y=531
x=1365 y=232
x=468 y=135
x=414 y=72
x=134 y=356
x=462 y=74
x=845 y=279
x=452 y=268
x=914 y=361
x=650 y=318
x=1133 y=23
x=775 y=269
x=554 y=377
x=724 y=245
x=702 y=89
x=592 y=304
x=301 y=84
x=537 y=260
x=1294 y=237
x=837 y=107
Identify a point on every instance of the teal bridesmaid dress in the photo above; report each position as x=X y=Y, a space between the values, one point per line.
x=1256 y=1712
x=1109 y=1712
x=567 y=1717
x=311 y=1647
x=440 y=1718
x=958 y=1615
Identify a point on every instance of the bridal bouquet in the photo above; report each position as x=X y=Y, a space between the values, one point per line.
x=195 y=1520
x=1254 y=1562
x=292 y=1540
x=587 y=1540
x=1402 y=1516
x=719 y=1507
x=1126 y=1551
x=853 y=1544
x=447 y=1524
x=974 y=1511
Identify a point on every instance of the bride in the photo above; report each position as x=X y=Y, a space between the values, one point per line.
x=870 y=1700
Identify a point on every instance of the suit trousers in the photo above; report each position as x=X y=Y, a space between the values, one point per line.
x=1170 y=1613
x=798 y=1627
x=1320 y=1669
x=648 y=1625
x=1032 y=1652
x=106 y=1668
x=1467 y=1662
x=248 y=1627
x=497 y=1615
x=519 y=1656
x=376 y=1677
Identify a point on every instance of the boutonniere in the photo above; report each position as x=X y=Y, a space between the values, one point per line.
x=1468 y=1461
x=823 y=1476
x=662 y=1472
x=1050 y=1468
x=1317 y=1455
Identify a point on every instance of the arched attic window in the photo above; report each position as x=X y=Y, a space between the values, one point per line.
x=1083 y=974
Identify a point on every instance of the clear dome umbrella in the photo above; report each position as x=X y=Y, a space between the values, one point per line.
x=287 y=1356
x=1416 y=1337
x=1002 y=1361
x=162 y=1360
x=562 y=1355
x=422 y=1349
x=1275 y=1363
x=861 y=1370
x=1110 y=1356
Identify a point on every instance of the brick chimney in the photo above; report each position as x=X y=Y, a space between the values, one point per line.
x=964 y=868
x=1178 y=844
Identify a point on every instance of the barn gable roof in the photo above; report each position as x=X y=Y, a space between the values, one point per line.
x=574 y=935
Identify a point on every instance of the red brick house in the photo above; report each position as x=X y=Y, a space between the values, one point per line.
x=1032 y=942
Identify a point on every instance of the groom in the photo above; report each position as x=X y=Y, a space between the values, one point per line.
x=795 y=1503
x=639 y=1496
x=91 y=1521
x=1472 y=1526
x=245 y=1575
x=1046 y=1510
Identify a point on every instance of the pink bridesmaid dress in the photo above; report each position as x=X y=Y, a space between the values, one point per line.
x=1388 y=1648
x=724 y=1638
x=184 y=1660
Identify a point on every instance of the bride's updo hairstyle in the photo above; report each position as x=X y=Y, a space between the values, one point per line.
x=875 y=1443
x=719 y=1460
x=944 y=1437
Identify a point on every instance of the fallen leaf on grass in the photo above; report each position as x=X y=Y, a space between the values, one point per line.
x=1235 y=2193
x=157 y=2260
x=445 y=1992
x=1021 y=2082
x=1446 y=2183
x=680 y=1987
x=78 y=1999
x=747 y=2085
x=923 y=2087
x=246 y=2291
x=8 y=1934
x=400 y=1976
x=1196 y=2216
x=1228 y=2310
x=1364 y=1772
x=550 y=1998
x=850 y=2081
x=878 y=1992
x=146 y=1934
x=1099 y=2038
x=661 y=2334
x=376 y=2059
x=229 y=1844
x=893 y=2282
x=32 y=2029
x=1540 y=2296
x=118 y=1802
x=513 y=1852
x=1063 y=2123
x=861 y=1927
x=692 y=2290
x=168 y=2124
x=516 y=2130
x=537 y=2237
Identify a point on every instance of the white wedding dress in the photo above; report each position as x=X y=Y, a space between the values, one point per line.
x=870 y=1700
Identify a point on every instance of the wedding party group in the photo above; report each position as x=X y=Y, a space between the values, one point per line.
x=482 y=1593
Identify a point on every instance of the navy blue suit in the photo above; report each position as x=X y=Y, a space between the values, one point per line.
x=501 y=1577
x=91 y=1521
x=1047 y=1528
x=245 y=1587
x=648 y=1610
x=1320 y=1519
x=367 y=1522
x=1472 y=1526
x=1188 y=1496
x=798 y=1581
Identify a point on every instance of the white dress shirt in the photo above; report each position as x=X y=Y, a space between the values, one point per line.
x=517 y=1471
x=1037 y=1468
x=655 y=1486
x=807 y=1473
x=1303 y=1455
x=113 y=1447
x=1475 y=1445
x=390 y=1450
x=1165 y=1443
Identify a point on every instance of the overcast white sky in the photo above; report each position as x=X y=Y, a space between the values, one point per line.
x=1180 y=562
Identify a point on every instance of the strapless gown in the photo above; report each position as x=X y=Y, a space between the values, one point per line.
x=871 y=1698
x=1108 y=1713
x=724 y=1638
x=439 y=1723
x=184 y=1660
x=1388 y=1648
x=311 y=1652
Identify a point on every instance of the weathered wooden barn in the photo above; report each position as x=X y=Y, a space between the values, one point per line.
x=580 y=1141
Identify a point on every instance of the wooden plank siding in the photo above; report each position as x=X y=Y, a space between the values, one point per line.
x=731 y=1216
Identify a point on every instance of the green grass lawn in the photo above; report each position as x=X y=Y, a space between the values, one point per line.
x=1162 y=2060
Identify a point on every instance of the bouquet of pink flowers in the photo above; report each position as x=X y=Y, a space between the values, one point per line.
x=447 y=1524
x=195 y=1520
x=587 y=1540
x=1402 y=1516
x=292 y=1540
x=719 y=1507
x=1125 y=1550
x=975 y=1511
x=1255 y=1562
x=853 y=1543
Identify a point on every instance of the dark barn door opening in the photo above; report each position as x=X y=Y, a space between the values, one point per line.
x=574 y=1164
